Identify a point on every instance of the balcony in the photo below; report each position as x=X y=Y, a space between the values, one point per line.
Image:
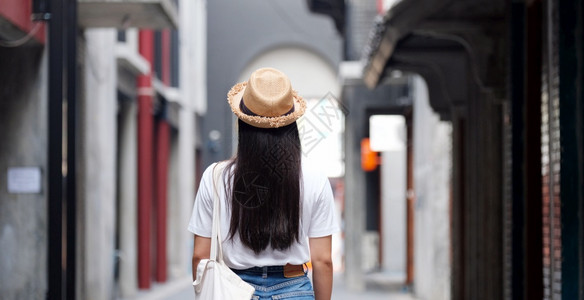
x=16 y=24
x=122 y=14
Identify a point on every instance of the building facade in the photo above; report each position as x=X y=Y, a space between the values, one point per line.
x=23 y=118
x=139 y=94
x=250 y=34
x=507 y=76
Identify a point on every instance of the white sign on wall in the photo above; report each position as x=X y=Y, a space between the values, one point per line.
x=24 y=180
x=387 y=133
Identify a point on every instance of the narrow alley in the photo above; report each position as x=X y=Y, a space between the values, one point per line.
x=446 y=138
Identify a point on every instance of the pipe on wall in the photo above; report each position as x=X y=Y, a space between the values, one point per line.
x=145 y=162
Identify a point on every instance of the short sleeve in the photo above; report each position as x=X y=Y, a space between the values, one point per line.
x=324 y=221
x=201 y=221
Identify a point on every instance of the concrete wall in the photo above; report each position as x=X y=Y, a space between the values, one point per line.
x=393 y=209
x=193 y=93
x=97 y=165
x=309 y=73
x=313 y=77
x=128 y=198
x=359 y=101
x=108 y=171
x=432 y=171
x=238 y=32
x=23 y=143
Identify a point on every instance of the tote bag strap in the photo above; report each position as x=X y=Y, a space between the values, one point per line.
x=216 y=248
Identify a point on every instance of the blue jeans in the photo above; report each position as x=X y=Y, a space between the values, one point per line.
x=270 y=283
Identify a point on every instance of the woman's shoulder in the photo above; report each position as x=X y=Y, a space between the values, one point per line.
x=209 y=170
x=312 y=174
x=217 y=164
x=208 y=173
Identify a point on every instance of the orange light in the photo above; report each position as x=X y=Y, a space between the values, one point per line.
x=369 y=158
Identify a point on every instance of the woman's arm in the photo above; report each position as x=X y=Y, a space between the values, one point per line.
x=201 y=250
x=322 y=267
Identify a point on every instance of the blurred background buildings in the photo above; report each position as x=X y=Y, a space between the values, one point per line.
x=139 y=95
x=452 y=132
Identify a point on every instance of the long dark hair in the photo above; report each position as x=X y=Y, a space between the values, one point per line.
x=265 y=189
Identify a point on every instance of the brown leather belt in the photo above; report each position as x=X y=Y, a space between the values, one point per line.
x=291 y=271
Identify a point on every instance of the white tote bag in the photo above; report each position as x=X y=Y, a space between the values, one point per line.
x=215 y=281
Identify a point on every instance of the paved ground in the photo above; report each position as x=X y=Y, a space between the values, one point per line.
x=378 y=288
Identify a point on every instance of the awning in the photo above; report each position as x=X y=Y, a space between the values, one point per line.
x=397 y=23
x=450 y=43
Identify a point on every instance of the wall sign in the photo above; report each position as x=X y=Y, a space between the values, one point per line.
x=24 y=180
x=387 y=133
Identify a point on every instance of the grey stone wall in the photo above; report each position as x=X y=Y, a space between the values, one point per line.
x=23 y=143
x=361 y=101
x=432 y=171
x=97 y=166
x=239 y=31
x=393 y=191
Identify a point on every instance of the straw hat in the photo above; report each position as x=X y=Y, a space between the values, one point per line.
x=266 y=100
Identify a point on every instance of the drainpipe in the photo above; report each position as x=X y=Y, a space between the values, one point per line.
x=145 y=161
x=162 y=154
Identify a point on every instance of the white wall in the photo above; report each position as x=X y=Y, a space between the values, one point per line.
x=393 y=209
x=193 y=99
x=193 y=54
x=97 y=183
x=128 y=198
x=97 y=165
x=432 y=171
x=309 y=73
x=388 y=136
x=23 y=143
x=314 y=79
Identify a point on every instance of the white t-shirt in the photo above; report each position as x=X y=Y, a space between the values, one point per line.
x=318 y=220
